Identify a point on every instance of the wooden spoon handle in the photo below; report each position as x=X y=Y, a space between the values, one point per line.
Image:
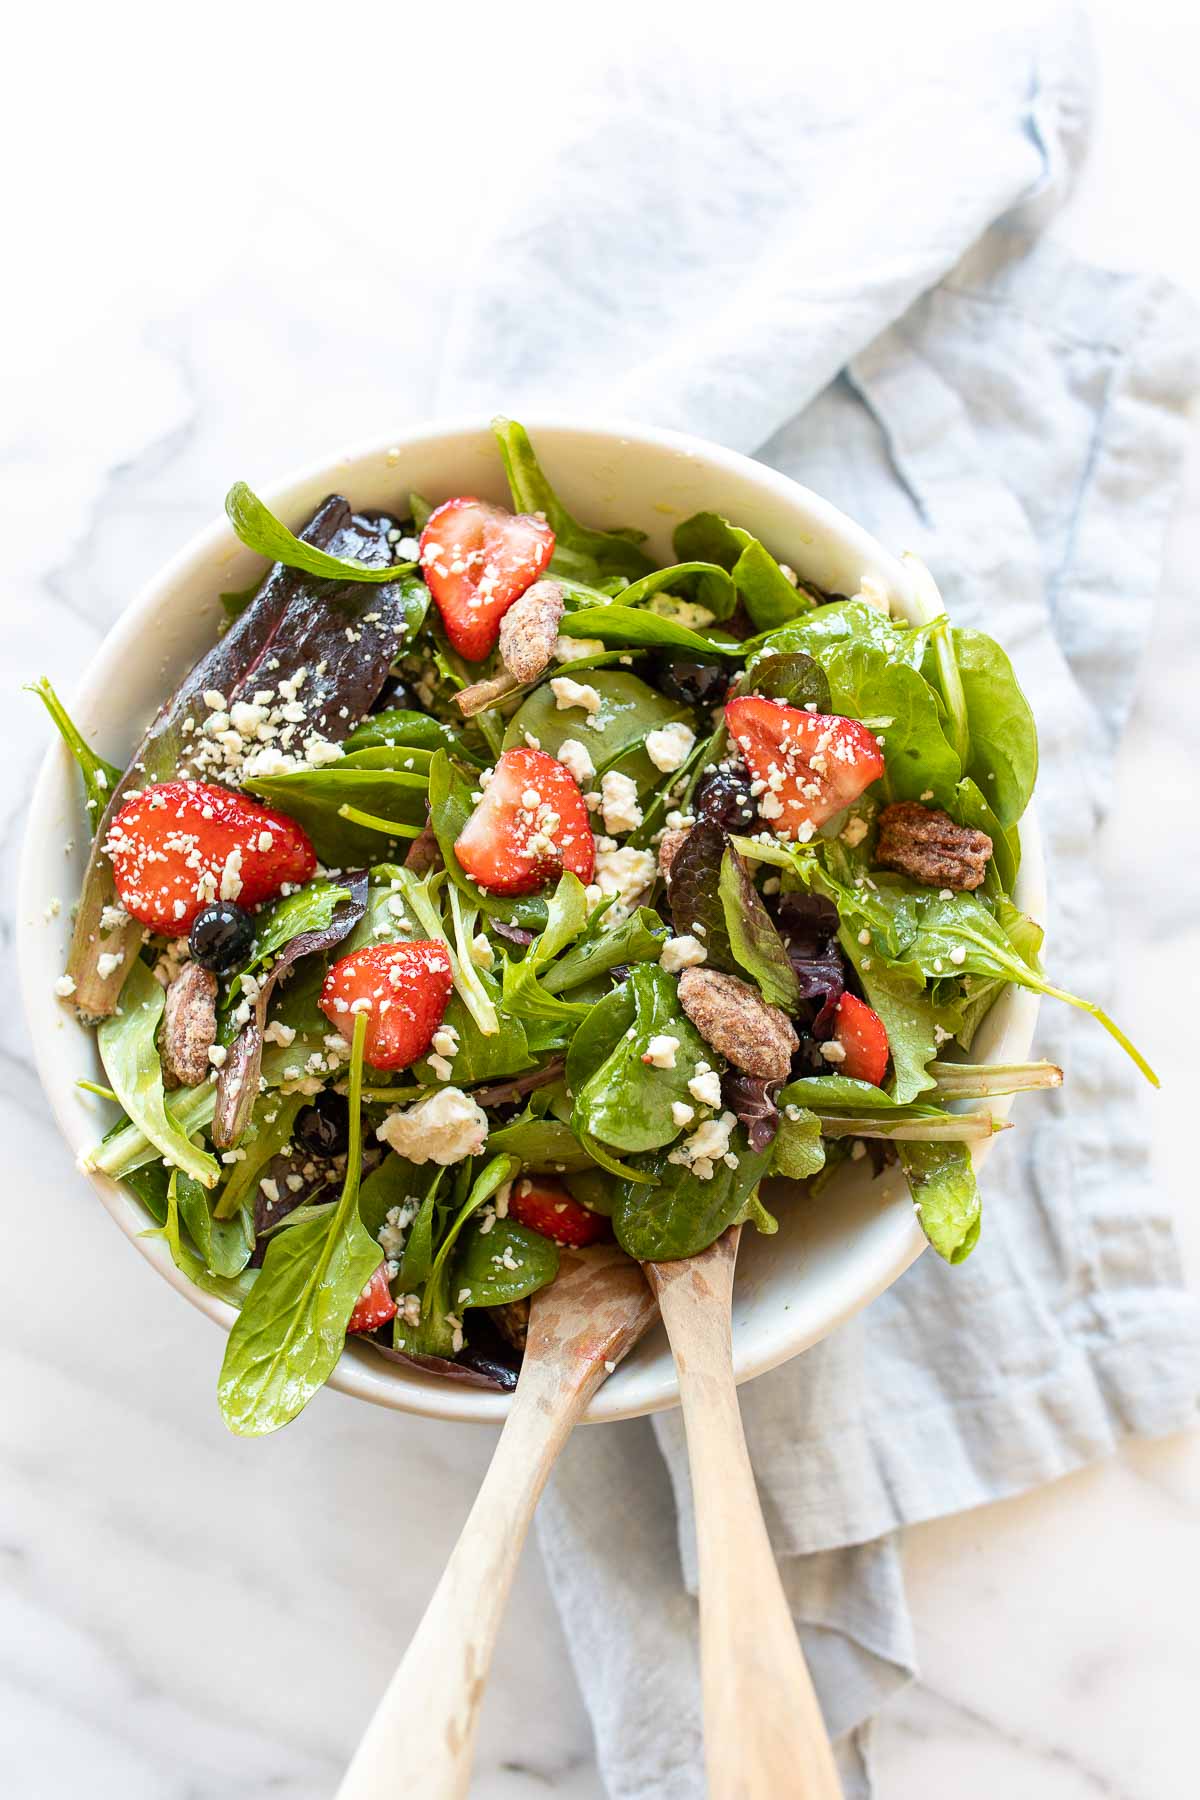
x=763 y=1731
x=421 y=1741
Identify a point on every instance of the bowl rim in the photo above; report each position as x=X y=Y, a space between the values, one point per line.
x=360 y=1372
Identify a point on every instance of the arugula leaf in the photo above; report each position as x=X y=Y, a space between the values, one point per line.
x=621 y=625
x=127 y=1045
x=625 y=1103
x=482 y=1274
x=318 y=800
x=260 y=531
x=902 y=707
x=628 y=711
x=1003 y=757
x=578 y=552
x=756 y=945
x=941 y=1181
x=680 y=1215
x=99 y=777
x=289 y=1335
x=765 y=590
x=797 y=1151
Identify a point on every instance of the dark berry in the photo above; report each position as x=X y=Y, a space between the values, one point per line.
x=723 y=797
x=696 y=682
x=222 y=937
x=324 y=1127
x=397 y=696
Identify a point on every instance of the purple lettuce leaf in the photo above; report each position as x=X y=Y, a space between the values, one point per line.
x=753 y=1098
x=808 y=924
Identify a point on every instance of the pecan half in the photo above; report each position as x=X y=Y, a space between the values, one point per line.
x=512 y=1322
x=925 y=844
x=424 y=853
x=189 y=1027
x=668 y=844
x=729 y=1015
x=528 y=634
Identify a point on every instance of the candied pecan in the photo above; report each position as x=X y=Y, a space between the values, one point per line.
x=925 y=844
x=512 y=1322
x=529 y=630
x=189 y=1027
x=729 y=1015
x=668 y=844
x=424 y=853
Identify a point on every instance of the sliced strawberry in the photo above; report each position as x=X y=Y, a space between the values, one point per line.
x=402 y=988
x=477 y=559
x=863 y=1037
x=183 y=844
x=374 y=1306
x=812 y=765
x=530 y=825
x=545 y=1206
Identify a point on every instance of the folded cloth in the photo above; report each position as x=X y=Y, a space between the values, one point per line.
x=846 y=275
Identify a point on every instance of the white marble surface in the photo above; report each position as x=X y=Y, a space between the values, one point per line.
x=188 y=1616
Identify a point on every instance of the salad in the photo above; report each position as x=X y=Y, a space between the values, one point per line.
x=487 y=889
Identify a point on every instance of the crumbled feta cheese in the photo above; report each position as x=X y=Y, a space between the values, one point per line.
x=575 y=759
x=684 y=612
x=660 y=1051
x=872 y=591
x=682 y=953
x=269 y=1189
x=568 y=693
x=833 y=1052
x=443 y=1128
x=109 y=963
x=113 y=917
x=789 y=574
x=708 y=1144
x=619 y=802
x=217 y=1054
x=64 y=987
x=705 y=1086
x=482 y=954
x=625 y=873
x=569 y=649
x=854 y=830
x=670 y=745
x=958 y=954
x=864 y=936
x=682 y=1113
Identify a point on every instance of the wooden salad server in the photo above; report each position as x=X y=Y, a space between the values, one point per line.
x=764 y=1736
x=420 y=1743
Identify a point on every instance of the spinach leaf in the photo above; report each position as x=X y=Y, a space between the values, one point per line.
x=849 y=621
x=396 y=1182
x=495 y=1172
x=289 y=1335
x=99 y=777
x=765 y=590
x=941 y=1181
x=541 y=1146
x=628 y=710
x=1003 y=757
x=450 y=806
x=400 y=729
x=578 y=552
x=482 y=1275
x=680 y=1215
x=150 y=1184
x=639 y=938
x=260 y=531
x=127 y=1045
x=980 y=992
x=234 y=1291
x=756 y=945
x=797 y=1151
x=318 y=800
x=796 y=679
x=599 y=1034
x=224 y=1243
x=970 y=808
x=481 y=1056
x=621 y=625
x=849 y=1108
x=566 y=918
x=913 y=1021
x=903 y=709
x=627 y=1103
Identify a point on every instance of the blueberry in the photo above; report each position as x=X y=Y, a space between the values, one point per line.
x=693 y=680
x=324 y=1127
x=723 y=797
x=222 y=937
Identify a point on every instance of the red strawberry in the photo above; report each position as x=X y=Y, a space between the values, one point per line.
x=402 y=988
x=531 y=824
x=545 y=1206
x=812 y=765
x=374 y=1306
x=183 y=844
x=863 y=1037
x=477 y=559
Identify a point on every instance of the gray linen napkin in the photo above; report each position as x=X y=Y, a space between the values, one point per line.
x=845 y=276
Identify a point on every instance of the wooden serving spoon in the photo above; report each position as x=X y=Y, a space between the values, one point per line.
x=763 y=1731
x=421 y=1740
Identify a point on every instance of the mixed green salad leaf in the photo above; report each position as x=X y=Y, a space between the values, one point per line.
x=703 y=995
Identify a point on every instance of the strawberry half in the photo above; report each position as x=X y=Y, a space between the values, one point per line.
x=530 y=825
x=183 y=844
x=374 y=1306
x=402 y=988
x=477 y=559
x=546 y=1207
x=863 y=1036
x=812 y=765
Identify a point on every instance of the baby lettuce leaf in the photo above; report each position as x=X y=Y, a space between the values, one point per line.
x=185 y=1258
x=316 y=799
x=628 y=710
x=695 y=894
x=289 y=1335
x=260 y=531
x=942 y=1183
x=128 y=1050
x=400 y=729
x=849 y=1108
x=481 y=1271
x=639 y=938
x=677 y=1214
x=126 y=1149
x=626 y=1103
x=910 y=1016
x=902 y=709
x=623 y=625
x=566 y=918
x=1003 y=756
x=225 y=1244
x=271 y=1122
x=541 y=1146
x=764 y=589
x=99 y=777
x=796 y=679
x=583 y=554
x=798 y=1150
x=756 y=945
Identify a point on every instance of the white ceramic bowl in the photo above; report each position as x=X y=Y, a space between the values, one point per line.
x=828 y=1259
